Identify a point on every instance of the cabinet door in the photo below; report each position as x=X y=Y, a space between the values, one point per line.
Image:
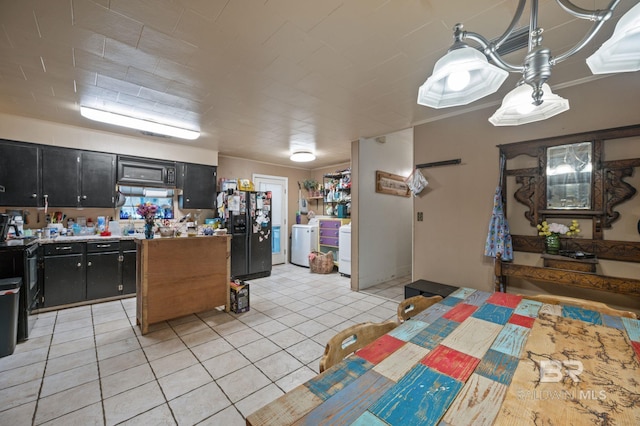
x=102 y=275
x=97 y=179
x=199 y=187
x=64 y=280
x=19 y=175
x=129 y=272
x=60 y=168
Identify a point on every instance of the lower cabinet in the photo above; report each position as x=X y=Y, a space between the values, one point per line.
x=86 y=271
x=328 y=235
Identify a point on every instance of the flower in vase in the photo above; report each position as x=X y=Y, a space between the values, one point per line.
x=147 y=211
x=546 y=229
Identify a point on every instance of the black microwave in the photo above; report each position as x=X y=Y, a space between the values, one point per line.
x=143 y=172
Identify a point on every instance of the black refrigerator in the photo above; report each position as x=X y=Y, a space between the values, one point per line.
x=249 y=223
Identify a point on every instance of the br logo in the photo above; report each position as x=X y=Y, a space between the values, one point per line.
x=552 y=371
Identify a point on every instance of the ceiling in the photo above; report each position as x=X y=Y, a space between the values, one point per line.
x=260 y=79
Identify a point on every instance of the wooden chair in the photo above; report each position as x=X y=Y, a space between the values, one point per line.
x=351 y=339
x=581 y=303
x=414 y=305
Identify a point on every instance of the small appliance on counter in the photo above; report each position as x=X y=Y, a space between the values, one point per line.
x=7 y=222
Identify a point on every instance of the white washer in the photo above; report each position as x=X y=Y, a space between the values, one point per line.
x=304 y=240
x=344 y=250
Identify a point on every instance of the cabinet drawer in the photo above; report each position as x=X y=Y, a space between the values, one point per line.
x=61 y=249
x=102 y=246
x=329 y=241
x=330 y=224
x=329 y=232
x=128 y=245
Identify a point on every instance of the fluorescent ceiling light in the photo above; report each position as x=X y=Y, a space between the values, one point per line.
x=462 y=76
x=138 y=124
x=302 y=156
x=518 y=108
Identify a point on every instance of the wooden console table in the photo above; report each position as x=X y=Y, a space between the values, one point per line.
x=181 y=276
x=572 y=278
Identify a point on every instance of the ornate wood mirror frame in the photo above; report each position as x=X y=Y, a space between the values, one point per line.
x=608 y=190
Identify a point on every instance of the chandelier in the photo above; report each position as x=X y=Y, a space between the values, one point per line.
x=465 y=75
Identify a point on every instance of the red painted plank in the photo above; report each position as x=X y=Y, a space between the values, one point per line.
x=504 y=299
x=522 y=320
x=451 y=362
x=380 y=349
x=636 y=347
x=460 y=312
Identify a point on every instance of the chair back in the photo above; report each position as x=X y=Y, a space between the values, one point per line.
x=412 y=306
x=581 y=303
x=351 y=339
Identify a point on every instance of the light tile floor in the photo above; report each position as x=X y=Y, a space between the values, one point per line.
x=393 y=289
x=90 y=366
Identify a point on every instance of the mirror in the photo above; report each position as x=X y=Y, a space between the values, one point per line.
x=569 y=176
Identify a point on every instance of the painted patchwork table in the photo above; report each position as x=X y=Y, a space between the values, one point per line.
x=479 y=358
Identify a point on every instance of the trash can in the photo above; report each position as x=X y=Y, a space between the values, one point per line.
x=9 y=299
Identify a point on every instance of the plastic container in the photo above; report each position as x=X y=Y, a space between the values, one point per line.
x=9 y=300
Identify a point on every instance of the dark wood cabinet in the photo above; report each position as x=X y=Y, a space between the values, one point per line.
x=75 y=178
x=103 y=269
x=198 y=186
x=86 y=271
x=19 y=175
x=97 y=179
x=60 y=168
x=64 y=274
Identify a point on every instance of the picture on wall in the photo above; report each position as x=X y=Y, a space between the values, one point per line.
x=388 y=183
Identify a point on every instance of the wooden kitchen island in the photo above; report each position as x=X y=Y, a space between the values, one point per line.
x=181 y=276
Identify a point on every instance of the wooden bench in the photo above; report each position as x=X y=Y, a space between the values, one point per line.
x=427 y=289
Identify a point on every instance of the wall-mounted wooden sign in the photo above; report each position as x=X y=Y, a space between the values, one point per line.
x=388 y=183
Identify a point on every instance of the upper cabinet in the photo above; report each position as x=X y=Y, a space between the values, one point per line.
x=198 y=184
x=76 y=178
x=19 y=175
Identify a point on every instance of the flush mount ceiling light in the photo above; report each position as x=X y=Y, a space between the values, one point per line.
x=302 y=156
x=137 y=123
x=461 y=76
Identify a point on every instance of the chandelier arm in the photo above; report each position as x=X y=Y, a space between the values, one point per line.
x=512 y=25
x=575 y=49
x=490 y=51
x=591 y=15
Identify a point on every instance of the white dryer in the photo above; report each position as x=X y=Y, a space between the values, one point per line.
x=304 y=240
x=344 y=250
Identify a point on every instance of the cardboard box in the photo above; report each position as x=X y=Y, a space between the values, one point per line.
x=239 y=297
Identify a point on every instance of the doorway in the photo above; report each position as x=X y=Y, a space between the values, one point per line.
x=279 y=211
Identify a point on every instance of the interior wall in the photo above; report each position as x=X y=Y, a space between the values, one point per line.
x=384 y=221
x=25 y=129
x=457 y=204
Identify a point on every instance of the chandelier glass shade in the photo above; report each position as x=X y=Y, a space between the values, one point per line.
x=619 y=54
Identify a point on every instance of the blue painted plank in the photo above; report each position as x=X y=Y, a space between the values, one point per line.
x=408 y=329
x=528 y=308
x=511 y=339
x=493 y=313
x=477 y=298
x=463 y=292
x=451 y=301
x=497 y=366
x=633 y=328
x=613 y=322
x=581 y=314
x=432 y=313
x=337 y=377
x=419 y=398
x=350 y=403
x=434 y=333
x=368 y=419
